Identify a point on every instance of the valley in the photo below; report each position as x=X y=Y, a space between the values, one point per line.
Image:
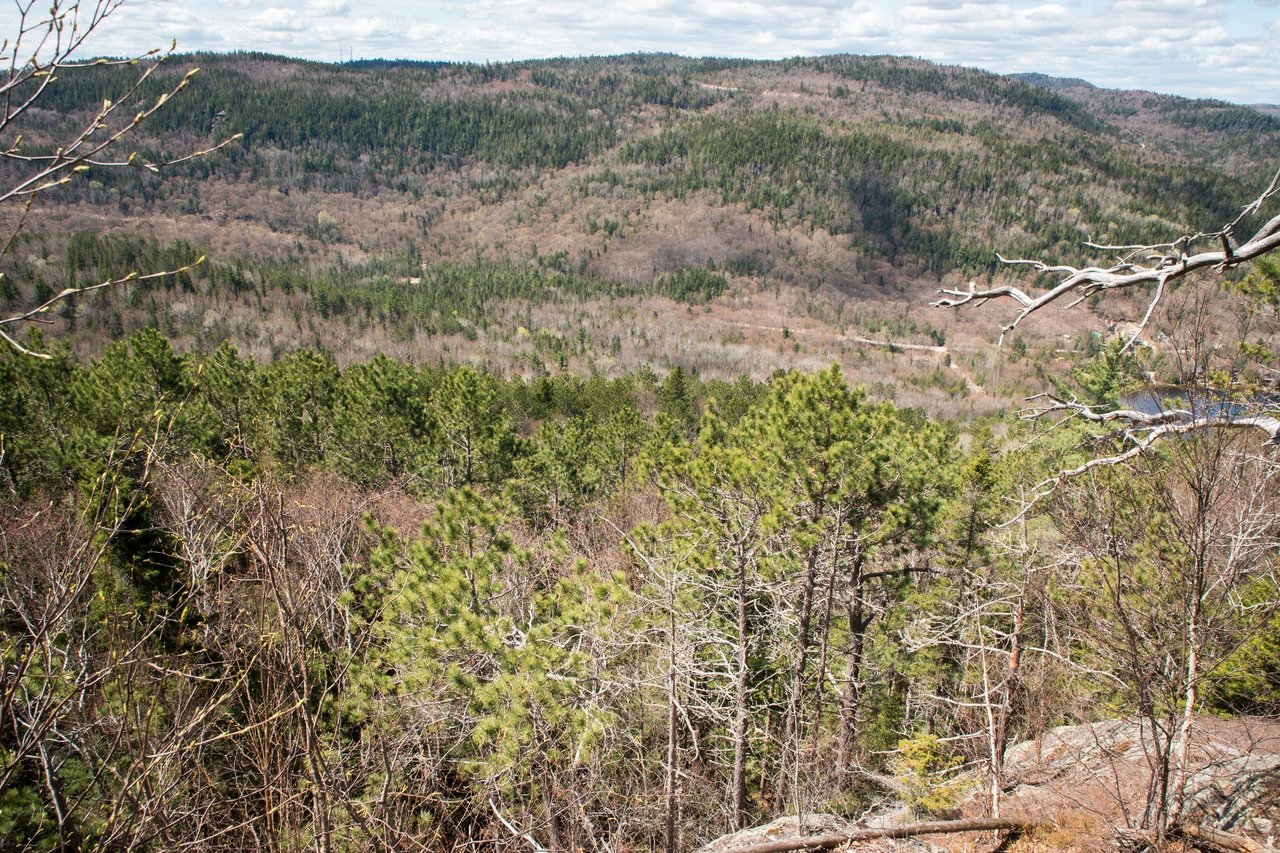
x=564 y=455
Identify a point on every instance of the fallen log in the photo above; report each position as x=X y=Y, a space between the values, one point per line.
x=933 y=827
x=1203 y=837
x=1220 y=839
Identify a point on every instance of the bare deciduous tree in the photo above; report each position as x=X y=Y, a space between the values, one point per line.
x=1206 y=395
x=1177 y=569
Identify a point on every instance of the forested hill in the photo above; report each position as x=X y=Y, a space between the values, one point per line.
x=561 y=456
x=909 y=160
x=831 y=193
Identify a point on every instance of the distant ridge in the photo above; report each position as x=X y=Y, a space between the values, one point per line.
x=1054 y=84
x=431 y=210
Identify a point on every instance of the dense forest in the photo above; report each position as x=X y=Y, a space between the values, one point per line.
x=389 y=607
x=574 y=214
x=539 y=456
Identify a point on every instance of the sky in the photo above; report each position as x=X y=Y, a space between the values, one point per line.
x=1228 y=49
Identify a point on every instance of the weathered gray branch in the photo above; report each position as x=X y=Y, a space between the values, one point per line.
x=1202 y=836
x=1164 y=263
x=1147 y=427
x=1221 y=839
x=1144 y=430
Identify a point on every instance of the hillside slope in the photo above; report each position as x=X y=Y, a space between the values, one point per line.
x=814 y=201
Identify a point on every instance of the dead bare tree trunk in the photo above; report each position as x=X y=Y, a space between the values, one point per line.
x=851 y=694
x=790 y=746
x=673 y=752
x=911 y=830
x=738 y=782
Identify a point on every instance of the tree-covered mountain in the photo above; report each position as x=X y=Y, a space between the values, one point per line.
x=1053 y=83
x=456 y=491
x=900 y=155
x=435 y=210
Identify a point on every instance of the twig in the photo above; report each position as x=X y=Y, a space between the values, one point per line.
x=515 y=830
x=33 y=313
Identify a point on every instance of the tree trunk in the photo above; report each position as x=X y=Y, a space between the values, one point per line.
x=672 y=751
x=936 y=827
x=999 y=721
x=799 y=679
x=851 y=698
x=824 y=653
x=738 y=784
x=1191 y=696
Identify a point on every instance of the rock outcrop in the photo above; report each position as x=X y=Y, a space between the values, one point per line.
x=1086 y=782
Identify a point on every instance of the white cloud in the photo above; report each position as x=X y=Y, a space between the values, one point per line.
x=359 y=31
x=278 y=19
x=328 y=7
x=421 y=35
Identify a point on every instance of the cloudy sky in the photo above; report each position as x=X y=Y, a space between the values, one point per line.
x=1201 y=48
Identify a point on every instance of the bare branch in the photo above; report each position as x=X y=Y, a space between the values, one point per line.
x=43 y=48
x=1143 y=430
x=1162 y=264
x=1146 y=318
x=1146 y=427
x=33 y=315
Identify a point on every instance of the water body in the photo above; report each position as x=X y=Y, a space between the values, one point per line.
x=1155 y=399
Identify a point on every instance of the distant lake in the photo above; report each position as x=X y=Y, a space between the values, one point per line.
x=1155 y=399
